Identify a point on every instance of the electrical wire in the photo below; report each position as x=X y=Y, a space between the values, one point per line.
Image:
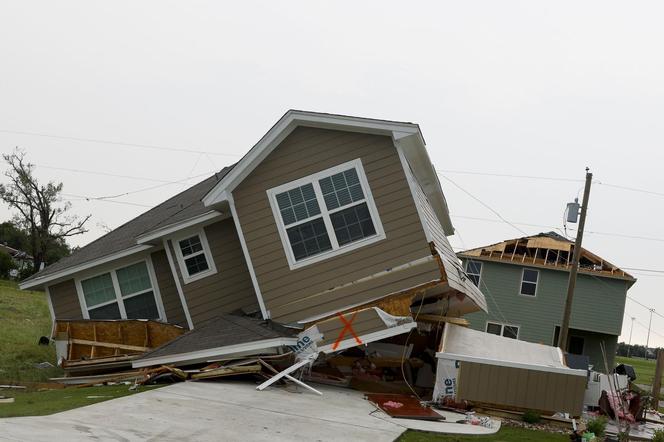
x=484 y=204
x=118 y=143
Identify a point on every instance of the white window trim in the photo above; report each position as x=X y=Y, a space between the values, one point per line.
x=479 y=282
x=521 y=281
x=325 y=214
x=186 y=278
x=116 y=288
x=502 y=328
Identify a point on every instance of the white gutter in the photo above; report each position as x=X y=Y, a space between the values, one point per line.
x=214 y=352
x=78 y=268
x=175 y=227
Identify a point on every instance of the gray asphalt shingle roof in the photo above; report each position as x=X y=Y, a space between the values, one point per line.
x=221 y=331
x=184 y=205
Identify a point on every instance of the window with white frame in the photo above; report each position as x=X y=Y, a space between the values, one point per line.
x=194 y=256
x=474 y=271
x=125 y=293
x=326 y=212
x=529 y=279
x=508 y=331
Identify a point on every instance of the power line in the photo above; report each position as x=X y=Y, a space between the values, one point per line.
x=90 y=199
x=548 y=178
x=483 y=203
x=504 y=175
x=117 y=143
x=620 y=235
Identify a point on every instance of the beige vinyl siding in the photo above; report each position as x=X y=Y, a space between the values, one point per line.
x=65 y=300
x=520 y=387
x=304 y=152
x=169 y=292
x=229 y=289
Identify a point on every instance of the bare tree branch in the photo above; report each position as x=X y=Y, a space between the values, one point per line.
x=41 y=210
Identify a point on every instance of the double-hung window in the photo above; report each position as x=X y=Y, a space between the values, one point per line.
x=194 y=256
x=474 y=271
x=529 y=279
x=124 y=293
x=326 y=213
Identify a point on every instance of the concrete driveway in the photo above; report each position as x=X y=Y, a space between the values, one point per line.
x=220 y=411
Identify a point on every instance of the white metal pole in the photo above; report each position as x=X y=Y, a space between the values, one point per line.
x=649 y=324
x=629 y=346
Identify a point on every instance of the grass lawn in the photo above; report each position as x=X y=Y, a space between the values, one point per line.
x=39 y=403
x=645 y=369
x=24 y=317
x=505 y=434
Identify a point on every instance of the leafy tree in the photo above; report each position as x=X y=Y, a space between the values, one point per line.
x=41 y=211
x=13 y=236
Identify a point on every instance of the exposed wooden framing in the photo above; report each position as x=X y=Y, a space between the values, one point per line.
x=107 y=345
x=535 y=256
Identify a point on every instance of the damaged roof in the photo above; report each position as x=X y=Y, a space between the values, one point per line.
x=184 y=205
x=220 y=335
x=547 y=250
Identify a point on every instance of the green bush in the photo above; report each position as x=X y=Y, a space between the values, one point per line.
x=531 y=417
x=6 y=264
x=658 y=436
x=597 y=426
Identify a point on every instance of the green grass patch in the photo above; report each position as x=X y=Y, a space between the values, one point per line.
x=24 y=317
x=505 y=434
x=645 y=369
x=40 y=403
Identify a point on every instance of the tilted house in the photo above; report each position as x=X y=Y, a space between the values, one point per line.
x=325 y=214
x=525 y=282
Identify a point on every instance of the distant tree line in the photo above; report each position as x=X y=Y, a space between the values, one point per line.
x=636 y=351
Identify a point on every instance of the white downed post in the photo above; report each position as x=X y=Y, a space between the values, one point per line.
x=306 y=352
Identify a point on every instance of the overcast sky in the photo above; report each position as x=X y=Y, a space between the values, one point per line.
x=514 y=88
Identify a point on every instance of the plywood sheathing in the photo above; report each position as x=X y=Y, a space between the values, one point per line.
x=102 y=339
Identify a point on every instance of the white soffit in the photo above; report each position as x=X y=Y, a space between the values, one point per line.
x=407 y=135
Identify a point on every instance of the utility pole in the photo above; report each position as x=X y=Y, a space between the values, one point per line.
x=629 y=346
x=652 y=310
x=564 y=330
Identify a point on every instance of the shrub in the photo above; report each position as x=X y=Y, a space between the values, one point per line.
x=658 y=436
x=531 y=417
x=6 y=264
x=597 y=426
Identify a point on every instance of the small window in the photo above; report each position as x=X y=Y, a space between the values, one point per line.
x=125 y=293
x=194 y=257
x=474 y=271
x=529 y=279
x=100 y=297
x=508 y=331
x=325 y=212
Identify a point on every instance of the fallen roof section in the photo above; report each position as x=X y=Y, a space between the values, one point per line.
x=220 y=336
x=546 y=250
x=465 y=344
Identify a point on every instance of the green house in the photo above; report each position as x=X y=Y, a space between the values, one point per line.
x=525 y=282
